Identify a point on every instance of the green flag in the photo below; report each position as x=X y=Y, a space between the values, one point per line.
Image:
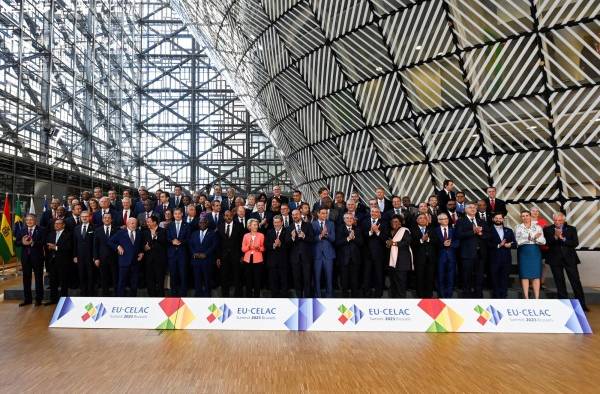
x=6 y=237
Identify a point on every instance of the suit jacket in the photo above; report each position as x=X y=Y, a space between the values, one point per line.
x=46 y=218
x=488 y=217
x=501 y=255
x=294 y=205
x=83 y=244
x=173 y=203
x=208 y=246
x=500 y=206
x=422 y=251
x=301 y=248
x=121 y=238
x=289 y=220
x=212 y=225
x=119 y=219
x=141 y=218
x=375 y=244
x=158 y=245
x=268 y=215
x=277 y=255
x=103 y=250
x=470 y=243
x=64 y=253
x=116 y=205
x=456 y=214
x=255 y=249
x=193 y=223
x=70 y=222
x=184 y=234
x=34 y=251
x=562 y=252
x=438 y=240
x=348 y=250
x=159 y=210
x=97 y=217
x=324 y=247
x=226 y=205
x=387 y=205
x=443 y=198
x=243 y=225
x=138 y=207
x=230 y=246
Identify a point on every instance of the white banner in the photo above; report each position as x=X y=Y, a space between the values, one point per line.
x=322 y=314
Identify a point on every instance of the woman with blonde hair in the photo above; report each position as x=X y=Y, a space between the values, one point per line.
x=253 y=246
x=529 y=237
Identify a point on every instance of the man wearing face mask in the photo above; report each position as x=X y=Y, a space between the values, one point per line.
x=502 y=240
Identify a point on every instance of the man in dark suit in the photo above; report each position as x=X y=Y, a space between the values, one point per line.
x=296 y=201
x=562 y=240
x=446 y=243
x=286 y=215
x=74 y=219
x=146 y=213
x=216 y=216
x=493 y=204
x=277 y=248
x=349 y=241
x=128 y=244
x=375 y=234
x=176 y=200
x=397 y=209
x=461 y=203
x=178 y=234
x=115 y=204
x=277 y=194
x=140 y=204
x=446 y=194
x=242 y=218
x=383 y=203
x=32 y=239
x=483 y=213
x=155 y=243
x=324 y=251
x=228 y=202
x=50 y=214
x=105 y=257
x=453 y=215
x=191 y=217
x=300 y=239
x=124 y=213
x=83 y=254
x=163 y=204
x=265 y=218
x=502 y=240
x=202 y=245
x=323 y=193
x=59 y=260
x=425 y=256
x=473 y=234
x=229 y=255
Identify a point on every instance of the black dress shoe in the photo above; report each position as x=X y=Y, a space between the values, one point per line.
x=24 y=303
x=38 y=303
x=48 y=303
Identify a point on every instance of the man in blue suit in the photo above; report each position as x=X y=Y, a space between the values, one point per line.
x=32 y=239
x=163 y=204
x=178 y=234
x=446 y=242
x=324 y=251
x=502 y=240
x=474 y=235
x=202 y=247
x=104 y=208
x=128 y=244
x=215 y=217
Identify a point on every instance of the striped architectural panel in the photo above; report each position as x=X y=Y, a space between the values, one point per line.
x=403 y=94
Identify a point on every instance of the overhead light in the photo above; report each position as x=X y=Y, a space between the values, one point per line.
x=379 y=69
x=531 y=127
x=597 y=119
x=418 y=47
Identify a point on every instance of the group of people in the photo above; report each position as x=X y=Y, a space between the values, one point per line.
x=245 y=245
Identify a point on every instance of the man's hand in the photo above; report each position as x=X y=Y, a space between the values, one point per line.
x=97 y=263
x=120 y=250
x=447 y=243
x=218 y=263
x=176 y=242
x=425 y=237
x=51 y=246
x=146 y=247
x=75 y=260
x=277 y=243
x=140 y=256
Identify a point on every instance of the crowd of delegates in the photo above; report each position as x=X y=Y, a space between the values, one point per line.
x=246 y=245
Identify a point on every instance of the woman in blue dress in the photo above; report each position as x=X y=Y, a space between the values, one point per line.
x=529 y=237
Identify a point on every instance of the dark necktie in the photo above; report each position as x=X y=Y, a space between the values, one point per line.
x=228 y=231
x=445 y=234
x=107 y=232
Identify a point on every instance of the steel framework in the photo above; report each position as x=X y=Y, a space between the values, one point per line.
x=119 y=91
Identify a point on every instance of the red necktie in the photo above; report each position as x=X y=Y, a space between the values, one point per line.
x=124 y=216
x=493 y=204
x=445 y=234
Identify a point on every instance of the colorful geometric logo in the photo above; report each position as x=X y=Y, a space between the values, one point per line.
x=490 y=314
x=307 y=311
x=352 y=314
x=179 y=315
x=221 y=313
x=445 y=319
x=93 y=312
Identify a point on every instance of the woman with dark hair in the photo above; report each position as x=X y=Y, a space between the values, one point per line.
x=305 y=212
x=155 y=256
x=168 y=218
x=94 y=206
x=262 y=197
x=400 y=260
